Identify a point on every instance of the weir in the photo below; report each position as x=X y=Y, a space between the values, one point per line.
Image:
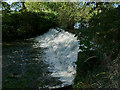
x=45 y=61
x=61 y=49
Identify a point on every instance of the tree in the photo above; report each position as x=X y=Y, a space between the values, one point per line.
x=15 y=6
x=66 y=12
x=5 y=7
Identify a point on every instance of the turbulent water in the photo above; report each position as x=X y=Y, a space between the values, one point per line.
x=46 y=61
x=61 y=50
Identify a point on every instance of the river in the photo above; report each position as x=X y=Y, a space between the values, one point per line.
x=44 y=61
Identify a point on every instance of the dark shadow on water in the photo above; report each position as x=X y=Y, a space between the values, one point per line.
x=24 y=67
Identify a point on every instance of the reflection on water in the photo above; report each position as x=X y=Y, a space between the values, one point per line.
x=45 y=61
x=23 y=66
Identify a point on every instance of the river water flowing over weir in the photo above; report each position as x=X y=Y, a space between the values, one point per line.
x=50 y=58
x=61 y=49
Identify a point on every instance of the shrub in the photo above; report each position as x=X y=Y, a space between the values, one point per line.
x=21 y=25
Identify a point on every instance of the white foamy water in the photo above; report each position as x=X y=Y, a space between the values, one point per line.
x=61 y=50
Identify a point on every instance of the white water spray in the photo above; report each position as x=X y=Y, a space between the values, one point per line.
x=61 y=50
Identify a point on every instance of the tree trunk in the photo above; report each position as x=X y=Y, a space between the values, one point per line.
x=119 y=26
x=23 y=5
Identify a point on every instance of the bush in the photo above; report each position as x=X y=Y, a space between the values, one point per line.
x=102 y=71
x=22 y=25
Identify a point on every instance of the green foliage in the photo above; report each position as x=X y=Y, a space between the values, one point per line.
x=5 y=7
x=21 y=25
x=104 y=32
x=64 y=11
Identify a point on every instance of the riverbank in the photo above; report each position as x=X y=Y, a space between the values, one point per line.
x=98 y=59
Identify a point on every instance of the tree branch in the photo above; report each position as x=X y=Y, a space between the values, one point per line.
x=90 y=58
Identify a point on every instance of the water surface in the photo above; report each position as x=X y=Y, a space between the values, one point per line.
x=44 y=61
x=23 y=66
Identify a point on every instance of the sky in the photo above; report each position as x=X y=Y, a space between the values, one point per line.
x=10 y=1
